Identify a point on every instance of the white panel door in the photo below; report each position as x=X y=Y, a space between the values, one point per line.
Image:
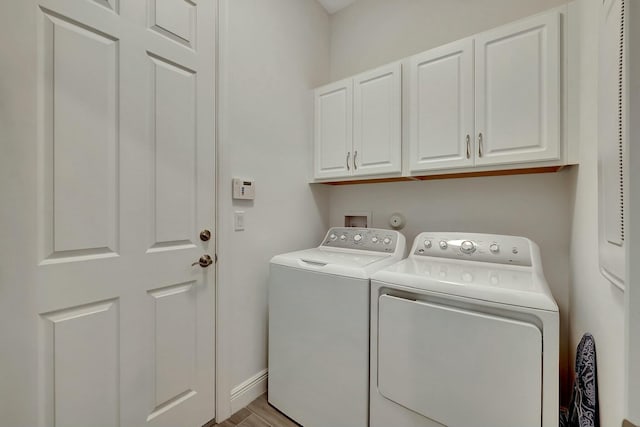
x=377 y=121
x=518 y=92
x=441 y=108
x=334 y=130
x=119 y=97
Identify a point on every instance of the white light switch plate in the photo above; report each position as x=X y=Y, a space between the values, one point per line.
x=238 y=220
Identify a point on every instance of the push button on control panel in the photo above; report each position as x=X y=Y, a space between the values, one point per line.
x=467 y=247
x=510 y=250
x=361 y=239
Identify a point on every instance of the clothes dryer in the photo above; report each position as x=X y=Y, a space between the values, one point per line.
x=464 y=333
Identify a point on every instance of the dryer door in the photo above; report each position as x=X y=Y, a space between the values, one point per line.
x=459 y=368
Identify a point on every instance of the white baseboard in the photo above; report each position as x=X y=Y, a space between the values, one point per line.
x=248 y=391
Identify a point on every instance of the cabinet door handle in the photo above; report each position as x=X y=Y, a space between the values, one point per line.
x=468 y=147
x=480 y=148
x=355 y=157
x=348 y=157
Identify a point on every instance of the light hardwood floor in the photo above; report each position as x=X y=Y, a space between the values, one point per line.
x=258 y=414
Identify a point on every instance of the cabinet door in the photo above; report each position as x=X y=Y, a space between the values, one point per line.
x=333 y=130
x=441 y=107
x=377 y=133
x=518 y=92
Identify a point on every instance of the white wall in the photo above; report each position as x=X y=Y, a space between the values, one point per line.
x=596 y=305
x=373 y=32
x=272 y=53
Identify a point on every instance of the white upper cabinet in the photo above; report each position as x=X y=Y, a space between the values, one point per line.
x=441 y=108
x=360 y=132
x=377 y=121
x=334 y=129
x=518 y=98
x=494 y=101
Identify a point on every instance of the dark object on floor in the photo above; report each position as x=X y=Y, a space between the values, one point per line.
x=584 y=408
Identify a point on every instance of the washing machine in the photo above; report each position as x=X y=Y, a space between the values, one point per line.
x=464 y=333
x=319 y=326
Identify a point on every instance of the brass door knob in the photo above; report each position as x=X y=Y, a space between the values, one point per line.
x=204 y=261
x=205 y=235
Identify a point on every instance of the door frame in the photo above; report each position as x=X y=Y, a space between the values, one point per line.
x=632 y=291
x=223 y=316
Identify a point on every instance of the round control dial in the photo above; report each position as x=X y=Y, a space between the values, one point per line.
x=467 y=247
x=357 y=237
x=387 y=241
x=494 y=248
x=343 y=237
x=427 y=244
x=333 y=237
x=374 y=239
x=443 y=245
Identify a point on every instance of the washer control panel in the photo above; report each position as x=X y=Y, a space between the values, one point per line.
x=366 y=239
x=474 y=247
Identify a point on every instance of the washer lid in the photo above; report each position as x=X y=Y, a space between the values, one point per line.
x=358 y=264
x=514 y=285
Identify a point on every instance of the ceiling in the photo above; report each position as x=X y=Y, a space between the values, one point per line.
x=333 y=6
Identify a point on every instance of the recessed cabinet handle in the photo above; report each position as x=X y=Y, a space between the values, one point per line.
x=348 y=157
x=468 y=147
x=355 y=157
x=480 y=148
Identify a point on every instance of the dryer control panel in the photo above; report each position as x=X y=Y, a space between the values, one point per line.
x=366 y=239
x=474 y=247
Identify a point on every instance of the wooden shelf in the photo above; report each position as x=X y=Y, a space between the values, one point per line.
x=526 y=171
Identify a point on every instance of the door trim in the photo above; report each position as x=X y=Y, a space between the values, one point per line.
x=223 y=343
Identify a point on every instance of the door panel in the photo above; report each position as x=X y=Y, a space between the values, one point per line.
x=441 y=107
x=174 y=134
x=333 y=130
x=175 y=329
x=109 y=4
x=122 y=150
x=85 y=387
x=377 y=134
x=175 y=19
x=79 y=96
x=518 y=92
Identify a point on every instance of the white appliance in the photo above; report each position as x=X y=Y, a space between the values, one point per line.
x=319 y=326
x=457 y=336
